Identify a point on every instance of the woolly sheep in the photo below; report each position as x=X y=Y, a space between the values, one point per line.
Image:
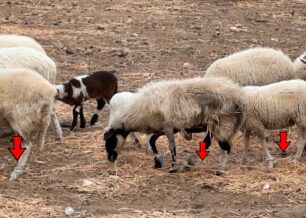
x=34 y=60
x=100 y=85
x=258 y=66
x=274 y=106
x=25 y=107
x=8 y=40
x=123 y=98
x=161 y=107
x=115 y=103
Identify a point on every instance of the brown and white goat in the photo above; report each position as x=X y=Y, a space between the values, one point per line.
x=100 y=85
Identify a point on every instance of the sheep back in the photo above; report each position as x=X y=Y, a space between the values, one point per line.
x=255 y=66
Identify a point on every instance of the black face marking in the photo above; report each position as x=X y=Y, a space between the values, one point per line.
x=76 y=83
x=225 y=146
x=110 y=138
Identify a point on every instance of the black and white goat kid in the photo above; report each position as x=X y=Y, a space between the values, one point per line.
x=100 y=85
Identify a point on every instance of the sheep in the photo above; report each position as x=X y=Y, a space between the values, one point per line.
x=25 y=107
x=123 y=98
x=167 y=106
x=116 y=102
x=36 y=61
x=101 y=85
x=8 y=40
x=274 y=106
x=258 y=66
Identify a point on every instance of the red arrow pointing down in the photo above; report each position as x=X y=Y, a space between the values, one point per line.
x=283 y=144
x=202 y=153
x=17 y=151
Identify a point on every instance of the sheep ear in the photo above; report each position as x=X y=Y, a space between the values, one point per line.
x=109 y=134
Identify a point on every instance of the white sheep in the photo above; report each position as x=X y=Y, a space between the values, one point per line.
x=258 y=66
x=274 y=106
x=8 y=40
x=116 y=103
x=29 y=58
x=25 y=107
x=161 y=107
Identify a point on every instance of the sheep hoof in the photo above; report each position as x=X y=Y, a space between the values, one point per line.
x=218 y=173
x=271 y=162
x=73 y=128
x=94 y=119
x=82 y=125
x=158 y=162
x=284 y=154
x=173 y=170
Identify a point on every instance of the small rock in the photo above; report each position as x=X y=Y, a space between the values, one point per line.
x=266 y=186
x=135 y=34
x=274 y=39
x=100 y=27
x=68 y=51
x=69 y=211
x=87 y=182
x=186 y=65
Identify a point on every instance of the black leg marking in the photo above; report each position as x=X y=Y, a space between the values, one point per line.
x=158 y=162
x=100 y=106
x=225 y=146
x=82 y=118
x=207 y=140
x=75 y=114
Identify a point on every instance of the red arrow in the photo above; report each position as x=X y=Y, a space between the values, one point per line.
x=283 y=144
x=17 y=151
x=202 y=153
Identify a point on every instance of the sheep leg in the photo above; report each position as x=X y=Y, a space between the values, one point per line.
x=45 y=121
x=75 y=113
x=57 y=125
x=269 y=157
x=22 y=161
x=207 y=139
x=158 y=160
x=246 y=139
x=300 y=143
x=82 y=118
x=225 y=150
x=134 y=139
x=100 y=106
x=172 y=147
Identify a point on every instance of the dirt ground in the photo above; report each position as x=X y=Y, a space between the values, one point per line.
x=145 y=41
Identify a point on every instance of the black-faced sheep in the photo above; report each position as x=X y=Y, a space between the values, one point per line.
x=8 y=40
x=166 y=106
x=100 y=85
x=25 y=107
x=34 y=60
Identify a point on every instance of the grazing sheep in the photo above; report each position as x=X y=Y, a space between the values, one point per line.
x=258 y=66
x=274 y=106
x=25 y=107
x=101 y=85
x=29 y=58
x=115 y=103
x=8 y=40
x=166 y=106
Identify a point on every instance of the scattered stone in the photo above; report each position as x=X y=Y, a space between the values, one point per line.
x=186 y=65
x=266 y=186
x=69 y=211
x=100 y=27
x=87 y=182
x=68 y=51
